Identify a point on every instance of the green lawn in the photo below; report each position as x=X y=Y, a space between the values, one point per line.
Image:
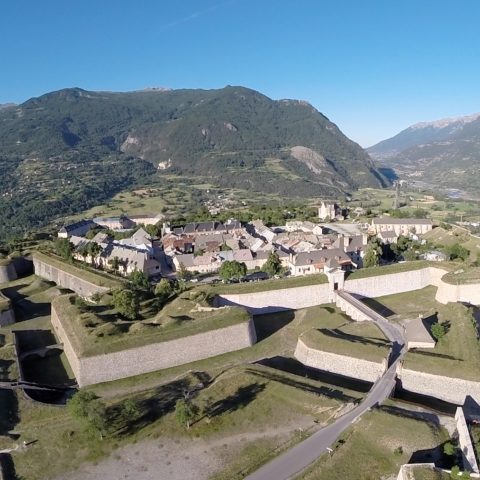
x=336 y=333
x=457 y=354
x=266 y=285
x=368 y=449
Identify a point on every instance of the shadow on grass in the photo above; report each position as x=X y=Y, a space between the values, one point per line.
x=148 y=410
x=294 y=367
x=434 y=355
x=319 y=390
x=270 y=323
x=8 y=411
x=377 y=306
x=7 y=468
x=336 y=333
x=240 y=399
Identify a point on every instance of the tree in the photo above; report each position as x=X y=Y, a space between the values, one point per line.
x=232 y=269
x=139 y=280
x=182 y=272
x=88 y=409
x=449 y=449
x=457 y=252
x=185 y=412
x=94 y=249
x=127 y=303
x=115 y=264
x=163 y=290
x=273 y=266
x=438 y=330
x=373 y=253
x=64 y=248
x=83 y=251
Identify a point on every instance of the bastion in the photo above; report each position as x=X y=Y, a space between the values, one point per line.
x=96 y=368
x=82 y=282
x=7 y=271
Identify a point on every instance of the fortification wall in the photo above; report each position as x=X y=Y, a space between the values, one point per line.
x=68 y=349
x=158 y=356
x=453 y=390
x=66 y=280
x=8 y=273
x=278 y=300
x=23 y=265
x=378 y=286
x=458 y=293
x=466 y=446
x=7 y=317
x=339 y=364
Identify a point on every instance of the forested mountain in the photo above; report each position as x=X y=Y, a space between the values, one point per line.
x=67 y=150
x=445 y=152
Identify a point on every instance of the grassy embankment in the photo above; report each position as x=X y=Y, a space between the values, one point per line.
x=100 y=329
x=371 y=447
x=457 y=354
x=268 y=285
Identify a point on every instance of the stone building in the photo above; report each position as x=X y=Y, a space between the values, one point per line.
x=78 y=229
x=330 y=210
x=417 y=334
x=401 y=226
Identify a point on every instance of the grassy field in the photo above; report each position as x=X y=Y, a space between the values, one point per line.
x=97 y=278
x=4 y=303
x=266 y=285
x=378 y=444
x=101 y=329
x=253 y=400
x=338 y=334
x=469 y=275
x=457 y=354
x=429 y=474
x=387 y=269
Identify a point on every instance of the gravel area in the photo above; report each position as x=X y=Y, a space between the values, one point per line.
x=186 y=459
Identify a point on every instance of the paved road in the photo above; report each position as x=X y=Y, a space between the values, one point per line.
x=301 y=456
x=304 y=454
x=390 y=330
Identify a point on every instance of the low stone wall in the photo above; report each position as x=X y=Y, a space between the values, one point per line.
x=8 y=272
x=66 y=280
x=278 y=300
x=453 y=390
x=339 y=364
x=466 y=446
x=158 y=356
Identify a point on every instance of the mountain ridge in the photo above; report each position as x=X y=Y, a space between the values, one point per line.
x=68 y=149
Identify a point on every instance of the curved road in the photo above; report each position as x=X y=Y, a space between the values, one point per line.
x=297 y=459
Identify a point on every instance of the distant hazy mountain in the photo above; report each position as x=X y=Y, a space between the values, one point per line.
x=445 y=152
x=7 y=105
x=421 y=133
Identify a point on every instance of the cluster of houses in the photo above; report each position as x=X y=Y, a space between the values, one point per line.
x=303 y=248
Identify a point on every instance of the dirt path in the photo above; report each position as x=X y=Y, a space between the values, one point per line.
x=186 y=459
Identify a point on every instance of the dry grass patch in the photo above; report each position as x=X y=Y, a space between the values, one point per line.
x=378 y=444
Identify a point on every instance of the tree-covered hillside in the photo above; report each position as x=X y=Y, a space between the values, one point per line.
x=67 y=150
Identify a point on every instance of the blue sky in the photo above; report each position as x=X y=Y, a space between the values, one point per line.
x=372 y=67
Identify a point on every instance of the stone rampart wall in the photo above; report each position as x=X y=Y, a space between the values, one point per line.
x=339 y=364
x=8 y=273
x=453 y=390
x=66 y=280
x=278 y=300
x=158 y=356
x=466 y=446
x=373 y=287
